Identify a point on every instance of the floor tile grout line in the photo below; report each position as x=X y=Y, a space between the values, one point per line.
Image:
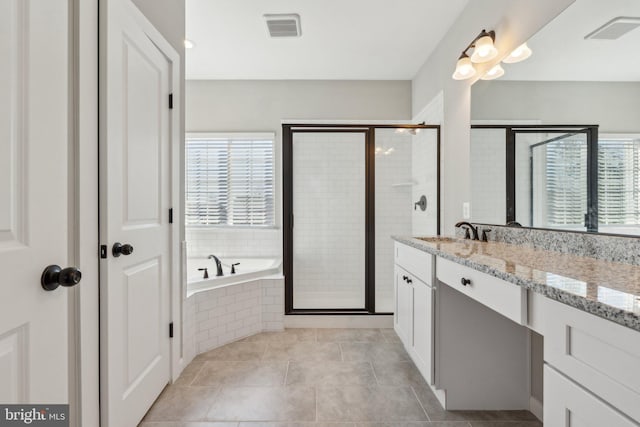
x=286 y=372
x=384 y=337
x=420 y=403
x=197 y=374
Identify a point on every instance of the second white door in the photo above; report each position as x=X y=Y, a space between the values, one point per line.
x=135 y=192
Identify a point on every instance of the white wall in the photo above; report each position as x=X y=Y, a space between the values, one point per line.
x=612 y=105
x=514 y=22
x=258 y=106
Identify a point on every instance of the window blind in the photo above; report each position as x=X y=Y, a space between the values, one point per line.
x=619 y=182
x=229 y=182
x=566 y=182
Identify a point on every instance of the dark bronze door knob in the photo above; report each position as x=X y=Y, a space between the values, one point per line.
x=54 y=276
x=121 y=249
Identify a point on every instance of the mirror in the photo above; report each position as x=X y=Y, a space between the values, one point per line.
x=555 y=142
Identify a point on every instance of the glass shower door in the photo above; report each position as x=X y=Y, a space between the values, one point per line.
x=406 y=166
x=557 y=180
x=329 y=206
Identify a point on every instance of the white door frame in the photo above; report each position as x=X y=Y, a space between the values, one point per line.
x=84 y=301
x=84 y=395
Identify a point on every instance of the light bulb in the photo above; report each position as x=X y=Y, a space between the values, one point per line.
x=188 y=44
x=484 y=50
x=495 y=72
x=520 y=53
x=464 y=69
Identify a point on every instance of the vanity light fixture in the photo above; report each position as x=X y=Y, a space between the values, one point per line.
x=483 y=48
x=483 y=51
x=464 y=68
x=520 y=53
x=495 y=72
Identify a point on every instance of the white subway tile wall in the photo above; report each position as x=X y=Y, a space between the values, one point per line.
x=424 y=173
x=221 y=315
x=393 y=206
x=488 y=176
x=234 y=242
x=329 y=226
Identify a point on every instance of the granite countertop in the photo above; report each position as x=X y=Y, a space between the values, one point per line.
x=610 y=290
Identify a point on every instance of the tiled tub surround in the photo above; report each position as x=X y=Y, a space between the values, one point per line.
x=233 y=242
x=607 y=289
x=228 y=313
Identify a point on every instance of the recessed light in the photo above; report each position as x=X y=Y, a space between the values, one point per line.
x=188 y=44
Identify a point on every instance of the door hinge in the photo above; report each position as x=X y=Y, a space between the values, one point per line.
x=171 y=330
x=171 y=216
x=291 y=220
x=170 y=101
x=103 y=251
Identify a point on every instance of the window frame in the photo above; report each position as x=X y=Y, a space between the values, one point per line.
x=236 y=136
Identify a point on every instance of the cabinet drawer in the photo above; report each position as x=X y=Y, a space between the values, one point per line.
x=568 y=405
x=506 y=298
x=416 y=262
x=598 y=354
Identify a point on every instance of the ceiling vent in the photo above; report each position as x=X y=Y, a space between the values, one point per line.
x=615 y=28
x=283 y=25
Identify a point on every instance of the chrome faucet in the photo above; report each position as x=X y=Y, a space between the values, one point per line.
x=218 y=265
x=468 y=227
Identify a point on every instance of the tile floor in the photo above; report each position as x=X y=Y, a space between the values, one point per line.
x=312 y=378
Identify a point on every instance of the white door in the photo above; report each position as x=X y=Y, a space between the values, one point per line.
x=135 y=197
x=34 y=150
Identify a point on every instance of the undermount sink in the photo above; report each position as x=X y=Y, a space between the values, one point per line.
x=439 y=239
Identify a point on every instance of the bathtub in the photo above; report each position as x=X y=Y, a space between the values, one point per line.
x=248 y=269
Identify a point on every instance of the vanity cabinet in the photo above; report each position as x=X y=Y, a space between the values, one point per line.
x=597 y=357
x=477 y=326
x=569 y=405
x=503 y=297
x=414 y=313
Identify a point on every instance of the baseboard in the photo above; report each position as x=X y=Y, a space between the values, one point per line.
x=441 y=395
x=536 y=408
x=338 y=321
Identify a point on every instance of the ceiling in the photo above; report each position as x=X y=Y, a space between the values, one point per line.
x=347 y=40
x=561 y=53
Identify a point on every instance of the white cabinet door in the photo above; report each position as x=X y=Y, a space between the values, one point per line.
x=34 y=202
x=404 y=307
x=568 y=405
x=422 y=347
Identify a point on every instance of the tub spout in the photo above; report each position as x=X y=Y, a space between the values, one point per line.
x=218 y=265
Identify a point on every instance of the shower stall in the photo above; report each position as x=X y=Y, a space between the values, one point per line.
x=347 y=190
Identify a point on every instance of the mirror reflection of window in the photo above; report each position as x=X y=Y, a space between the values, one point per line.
x=558 y=184
x=619 y=185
